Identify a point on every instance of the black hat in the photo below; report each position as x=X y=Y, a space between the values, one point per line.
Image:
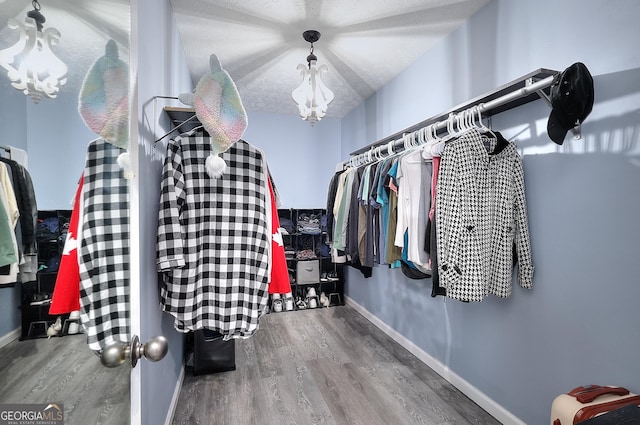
x=571 y=101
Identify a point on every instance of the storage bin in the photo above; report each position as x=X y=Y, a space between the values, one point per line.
x=307 y=272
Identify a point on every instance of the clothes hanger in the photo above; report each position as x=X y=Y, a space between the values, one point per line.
x=451 y=133
x=378 y=153
x=425 y=134
x=390 y=151
x=480 y=125
x=439 y=142
x=405 y=142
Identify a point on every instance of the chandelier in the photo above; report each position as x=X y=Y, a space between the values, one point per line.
x=30 y=63
x=312 y=96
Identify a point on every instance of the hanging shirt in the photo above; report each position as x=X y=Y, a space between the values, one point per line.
x=341 y=210
x=382 y=199
x=332 y=194
x=26 y=202
x=414 y=201
x=393 y=253
x=214 y=237
x=103 y=253
x=8 y=245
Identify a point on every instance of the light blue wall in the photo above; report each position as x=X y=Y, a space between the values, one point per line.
x=301 y=158
x=57 y=141
x=13 y=106
x=580 y=323
x=162 y=70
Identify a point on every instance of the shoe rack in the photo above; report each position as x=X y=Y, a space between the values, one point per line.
x=36 y=295
x=316 y=281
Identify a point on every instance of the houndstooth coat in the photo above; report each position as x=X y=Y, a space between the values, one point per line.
x=481 y=213
x=214 y=238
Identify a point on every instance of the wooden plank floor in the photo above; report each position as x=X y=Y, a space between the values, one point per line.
x=324 y=366
x=64 y=370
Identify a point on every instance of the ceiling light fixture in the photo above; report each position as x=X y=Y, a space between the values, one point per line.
x=30 y=63
x=312 y=96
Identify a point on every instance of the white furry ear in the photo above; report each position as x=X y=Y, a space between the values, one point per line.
x=215 y=166
x=124 y=161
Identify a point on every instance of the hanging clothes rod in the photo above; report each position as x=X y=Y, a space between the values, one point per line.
x=525 y=89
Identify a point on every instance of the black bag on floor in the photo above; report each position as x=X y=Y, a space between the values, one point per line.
x=211 y=354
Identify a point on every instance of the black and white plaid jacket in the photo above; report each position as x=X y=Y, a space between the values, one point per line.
x=214 y=240
x=103 y=252
x=481 y=213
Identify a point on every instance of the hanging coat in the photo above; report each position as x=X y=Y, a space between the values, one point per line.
x=480 y=216
x=279 y=282
x=214 y=237
x=103 y=253
x=66 y=292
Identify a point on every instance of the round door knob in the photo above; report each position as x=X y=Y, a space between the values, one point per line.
x=156 y=348
x=153 y=350
x=116 y=354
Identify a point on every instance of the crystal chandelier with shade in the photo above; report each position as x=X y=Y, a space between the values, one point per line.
x=31 y=65
x=312 y=96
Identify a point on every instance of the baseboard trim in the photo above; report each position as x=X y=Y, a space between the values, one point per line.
x=6 y=339
x=175 y=398
x=488 y=404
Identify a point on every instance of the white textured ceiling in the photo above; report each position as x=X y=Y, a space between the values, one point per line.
x=365 y=43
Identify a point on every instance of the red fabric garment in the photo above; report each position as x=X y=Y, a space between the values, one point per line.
x=66 y=293
x=279 y=282
x=434 y=181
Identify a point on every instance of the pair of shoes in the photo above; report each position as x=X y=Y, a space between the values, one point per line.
x=74 y=328
x=288 y=302
x=74 y=325
x=301 y=304
x=276 y=303
x=324 y=300
x=312 y=298
x=332 y=277
x=55 y=328
x=323 y=277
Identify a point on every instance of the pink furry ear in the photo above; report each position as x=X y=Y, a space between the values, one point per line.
x=219 y=108
x=103 y=102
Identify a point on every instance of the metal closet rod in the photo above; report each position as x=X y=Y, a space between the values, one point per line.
x=531 y=87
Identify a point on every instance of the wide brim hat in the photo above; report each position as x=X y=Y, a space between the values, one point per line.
x=572 y=97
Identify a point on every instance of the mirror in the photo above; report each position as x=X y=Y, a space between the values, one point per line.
x=61 y=369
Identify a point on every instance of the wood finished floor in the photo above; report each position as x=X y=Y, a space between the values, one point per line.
x=324 y=366
x=65 y=370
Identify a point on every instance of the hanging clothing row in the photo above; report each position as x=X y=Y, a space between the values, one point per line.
x=451 y=208
x=18 y=219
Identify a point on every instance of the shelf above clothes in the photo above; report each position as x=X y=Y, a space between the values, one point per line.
x=516 y=93
x=182 y=117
